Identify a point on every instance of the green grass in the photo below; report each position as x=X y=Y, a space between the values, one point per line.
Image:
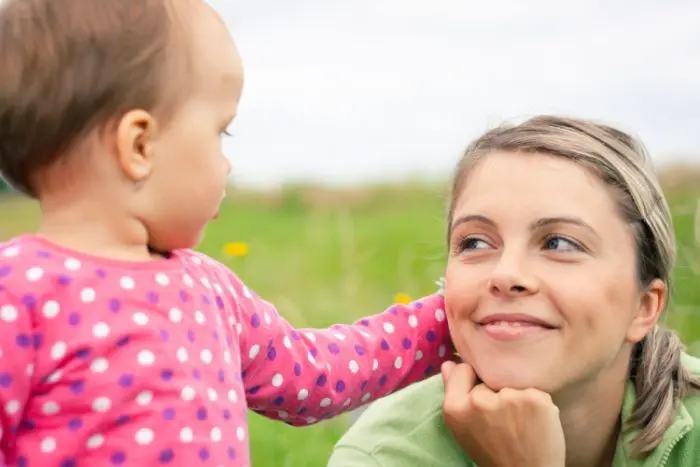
x=323 y=258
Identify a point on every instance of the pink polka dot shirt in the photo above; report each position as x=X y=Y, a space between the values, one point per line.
x=144 y=364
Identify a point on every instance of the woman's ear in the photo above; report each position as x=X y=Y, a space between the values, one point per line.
x=651 y=305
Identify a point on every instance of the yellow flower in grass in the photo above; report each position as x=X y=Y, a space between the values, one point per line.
x=402 y=298
x=236 y=249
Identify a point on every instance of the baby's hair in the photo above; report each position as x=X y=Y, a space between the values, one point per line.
x=72 y=67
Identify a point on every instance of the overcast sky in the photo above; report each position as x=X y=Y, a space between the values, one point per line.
x=346 y=91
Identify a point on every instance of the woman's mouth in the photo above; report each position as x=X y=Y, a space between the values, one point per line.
x=514 y=327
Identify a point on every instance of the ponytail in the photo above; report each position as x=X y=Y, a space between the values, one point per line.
x=661 y=382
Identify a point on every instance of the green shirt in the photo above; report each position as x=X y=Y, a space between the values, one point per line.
x=407 y=429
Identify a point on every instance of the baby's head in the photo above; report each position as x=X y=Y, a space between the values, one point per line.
x=113 y=111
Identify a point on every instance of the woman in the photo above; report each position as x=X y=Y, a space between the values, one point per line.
x=561 y=250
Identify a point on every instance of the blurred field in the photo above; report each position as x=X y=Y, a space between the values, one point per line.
x=324 y=257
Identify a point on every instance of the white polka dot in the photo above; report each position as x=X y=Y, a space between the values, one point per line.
x=188 y=393
x=206 y=356
x=50 y=408
x=254 y=351
x=211 y=393
x=8 y=313
x=127 y=283
x=216 y=434
x=326 y=402
x=366 y=397
x=182 y=355
x=162 y=279
x=413 y=321
x=144 y=398
x=140 y=318
x=205 y=283
x=240 y=433
x=354 y=367
x=283 y=415
x=196 y=260
x=47 y=445
x=30 y=369
x=246 y=292
x=219 y=321
x=199 y=317
x=54 y=377
x=101 y=404
x=439 y=315
x=303 y=394
x=375 y=364
x=441 y=351
x=12 y=407
x=50 y=309
x=187 y=280
x=99 y=365
x=144 y=436
x=227 y=356
x=419 y=355
x=34 y=274
x=277 y=380
x=232 y=395
x=88 y=295
x=239 y=328
x=388 y=327
x=58 y=350
x=310 y=336
x=287 y=342
x=72 y=264
x=310 y=420
x=175 y=315
x=218 y=289
x=398 y=362
x=95 y=441
x=100 y=330
x=186 y=435
x=267 y=318
x=339 y=336
x=146 y=358
x=11 y=252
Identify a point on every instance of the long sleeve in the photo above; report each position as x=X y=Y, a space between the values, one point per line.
x=16 y=365
x=301 y=376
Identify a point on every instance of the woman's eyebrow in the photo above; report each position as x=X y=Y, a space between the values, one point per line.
x=538 y=224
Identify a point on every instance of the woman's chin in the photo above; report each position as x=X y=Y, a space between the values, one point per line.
x=497 y=380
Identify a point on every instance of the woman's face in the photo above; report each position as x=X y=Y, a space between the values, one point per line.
x=541 y=283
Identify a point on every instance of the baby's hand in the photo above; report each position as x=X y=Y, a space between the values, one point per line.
x=503 y=429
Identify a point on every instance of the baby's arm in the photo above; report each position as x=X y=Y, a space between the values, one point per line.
x=17 y=345
x=300 y=376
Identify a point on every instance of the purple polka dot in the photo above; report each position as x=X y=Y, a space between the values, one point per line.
x=75 y=424
x=29 y=301
x=255 y=320
x=184 y=296
x=222 y=376
x=407 y=344
x=393 y=310
x=254 y=389
x=340 y=386
x=43 y=254
x=382 y=380
x=23 y=340
x=201 y=413
x=190 y=335
x=70 y=462
x=5 y=271
x=359 y=350
x=227 y=414
x=205 y=300
x=37 y=340
x=83 y=353
x=123 y=341
x=302 y=411
x=418 y=305
x=231 y=453
x=166 y=456
x=321 y=380
x=115 y=305
x=118 y=458
x=77 y=387
x=166 y=375
x=74 y=319
x=169 y=413
x=64 y=280
x=196 y=374
x=363 y=386
x=126 y=381
x=219 y=303
x=271 y=353
x=364 y=323
x=164 y=336
x=28 y=425
x=215 y=335
x=334 y=349
x=297 y=369
x=279 y=400
x=22 y=461
x=430 y=336
x=314 y=352
x=100 y=273
x=122 y=420
x=5 y=380
x=295 y=335
x=428 y=371
x=204 y=454
x=152 y=298
x=385 y=344
x=229 y=340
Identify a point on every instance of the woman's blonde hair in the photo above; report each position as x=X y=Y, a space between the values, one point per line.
x=623 y=164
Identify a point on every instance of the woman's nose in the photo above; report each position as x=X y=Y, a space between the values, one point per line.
x=511 y=278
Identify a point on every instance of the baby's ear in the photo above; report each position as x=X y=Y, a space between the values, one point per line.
x=135 y=135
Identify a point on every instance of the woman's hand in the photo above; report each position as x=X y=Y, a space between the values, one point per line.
x=505 y=428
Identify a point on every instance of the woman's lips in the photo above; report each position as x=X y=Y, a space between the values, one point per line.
x=513 y=326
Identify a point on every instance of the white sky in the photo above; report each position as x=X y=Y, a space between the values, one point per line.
x=361 y=90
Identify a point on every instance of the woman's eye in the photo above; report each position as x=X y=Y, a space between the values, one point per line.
x=473 y=243
x=561 y=244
